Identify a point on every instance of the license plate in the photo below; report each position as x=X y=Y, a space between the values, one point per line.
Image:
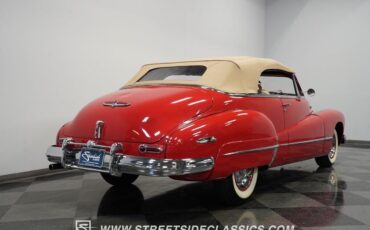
x=92 y=157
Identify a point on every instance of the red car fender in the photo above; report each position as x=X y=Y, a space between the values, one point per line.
x=60 y=135
x=237 y=133
x=332 y=119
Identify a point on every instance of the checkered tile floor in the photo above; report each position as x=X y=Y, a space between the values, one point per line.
x=299 y=194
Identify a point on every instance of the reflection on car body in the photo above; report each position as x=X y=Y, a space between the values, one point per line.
x=216 y=120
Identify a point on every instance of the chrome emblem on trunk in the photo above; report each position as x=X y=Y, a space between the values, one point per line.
x=116 y=104
x=98 y=129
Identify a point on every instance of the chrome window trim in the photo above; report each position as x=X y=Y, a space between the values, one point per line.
x=285 y=74
x=296 y=86
x=264 y=96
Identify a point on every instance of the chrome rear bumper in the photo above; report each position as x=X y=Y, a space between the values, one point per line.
x=116 y=164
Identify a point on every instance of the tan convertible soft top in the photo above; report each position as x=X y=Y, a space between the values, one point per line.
x=228 y=74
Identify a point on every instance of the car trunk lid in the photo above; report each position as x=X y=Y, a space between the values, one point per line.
x=142 y=114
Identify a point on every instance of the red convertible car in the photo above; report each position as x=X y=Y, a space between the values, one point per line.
x=210 y=119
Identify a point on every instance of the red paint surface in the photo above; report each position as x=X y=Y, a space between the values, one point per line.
x=157 y=114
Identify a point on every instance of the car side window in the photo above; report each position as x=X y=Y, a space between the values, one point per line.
x=277 y=85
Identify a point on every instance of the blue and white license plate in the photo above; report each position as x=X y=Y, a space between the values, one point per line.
x=92 y=157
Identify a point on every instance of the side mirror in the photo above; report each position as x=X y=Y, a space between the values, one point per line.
x=311 y=92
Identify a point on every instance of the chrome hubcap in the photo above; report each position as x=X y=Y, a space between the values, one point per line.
x=333 y=149
x=243 y=178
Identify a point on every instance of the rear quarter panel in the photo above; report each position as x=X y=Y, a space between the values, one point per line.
x=235 y=130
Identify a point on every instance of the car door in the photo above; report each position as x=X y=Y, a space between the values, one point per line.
x=300 y=125
x=269 y=89
x=305 y=129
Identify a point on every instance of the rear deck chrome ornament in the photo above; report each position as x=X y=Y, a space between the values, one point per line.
x=98 y=129
x=114 y=104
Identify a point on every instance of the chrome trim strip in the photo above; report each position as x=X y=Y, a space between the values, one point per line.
x=307 y=141
x=219 y=91
x=89 y=144
x=277 y=146
x=263 y=96
x=252 y=150
x=274 y=155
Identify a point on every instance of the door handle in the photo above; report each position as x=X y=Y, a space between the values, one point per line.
x=285 y=106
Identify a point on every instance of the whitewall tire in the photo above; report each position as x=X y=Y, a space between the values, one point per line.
x=244 y=182
x=238 y=187
x=333 y=154
x=329 y=160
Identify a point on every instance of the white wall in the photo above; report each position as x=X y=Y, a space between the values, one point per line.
x=327 y=42
x=55 y=56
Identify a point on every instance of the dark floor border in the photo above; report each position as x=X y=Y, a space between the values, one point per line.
x=30 y=174
x=357 y=144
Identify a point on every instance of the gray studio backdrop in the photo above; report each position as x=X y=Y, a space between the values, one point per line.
x=57 y=55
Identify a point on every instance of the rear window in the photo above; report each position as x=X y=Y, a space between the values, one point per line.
x=175 y=73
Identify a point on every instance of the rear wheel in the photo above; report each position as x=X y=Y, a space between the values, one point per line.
x=238 y=187
x=329 y=160
x=125 y=179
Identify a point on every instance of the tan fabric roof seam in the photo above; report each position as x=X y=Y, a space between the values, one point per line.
x=228 y=74
x=191 y=61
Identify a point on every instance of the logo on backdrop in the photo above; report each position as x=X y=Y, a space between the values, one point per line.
x=83 y=225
